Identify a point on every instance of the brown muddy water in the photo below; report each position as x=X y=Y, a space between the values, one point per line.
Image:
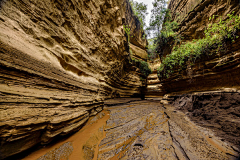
x=81 y=145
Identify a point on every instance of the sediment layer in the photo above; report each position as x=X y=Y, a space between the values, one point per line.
x=59 y=60
x=217 y=70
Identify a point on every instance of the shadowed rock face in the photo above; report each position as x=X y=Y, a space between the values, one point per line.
x=219 y=111
x=58 y=61
x=207 y=93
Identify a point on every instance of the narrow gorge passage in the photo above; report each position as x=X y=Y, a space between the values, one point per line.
x=73 y=72
x=137 y=129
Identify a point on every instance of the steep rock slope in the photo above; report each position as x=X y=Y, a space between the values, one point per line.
x=193 y=15
x=59 y=60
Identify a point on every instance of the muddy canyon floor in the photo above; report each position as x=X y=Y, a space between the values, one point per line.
x=131 y=128
x=69 y=71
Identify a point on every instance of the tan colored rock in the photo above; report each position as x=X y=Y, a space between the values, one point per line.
x=193 y=15
x=153 y=83
x=215 y=72
x=148 y=130
x=58 y=62
x=138 y=52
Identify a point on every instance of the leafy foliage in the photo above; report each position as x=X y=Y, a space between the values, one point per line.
x=143 y=66
x=157 y=16
x=140 y=10
x=166 y=35
x=215 y=35
x=165 y=32
x=127 y=29
x=152 y=54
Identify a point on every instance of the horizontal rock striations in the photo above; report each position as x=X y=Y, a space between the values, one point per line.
x=153 y=83
x=193 y=15
x=207 y=90
x=59 y=60
x=217 y=70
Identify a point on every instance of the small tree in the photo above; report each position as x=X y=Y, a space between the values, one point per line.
x=140 y=10
x=127 y=29
x=157 y=17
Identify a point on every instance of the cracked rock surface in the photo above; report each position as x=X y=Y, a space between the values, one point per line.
x=146 y=130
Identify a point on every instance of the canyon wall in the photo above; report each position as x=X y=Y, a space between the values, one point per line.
x=59 y=60
x=207 y=91
x=193 y=15
x=218 y=71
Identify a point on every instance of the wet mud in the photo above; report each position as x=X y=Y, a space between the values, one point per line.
x=81 y=145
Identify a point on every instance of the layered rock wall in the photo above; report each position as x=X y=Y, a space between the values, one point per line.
x=217 y=71
x=193 y=15
x=207 y=91
x=153 y=83
x=59 y=60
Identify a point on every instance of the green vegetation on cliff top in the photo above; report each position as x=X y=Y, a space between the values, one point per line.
x=190 y=52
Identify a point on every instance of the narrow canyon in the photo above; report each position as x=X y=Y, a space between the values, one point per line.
x=76 y=82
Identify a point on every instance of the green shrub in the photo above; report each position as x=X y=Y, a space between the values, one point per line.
x=140 y=11
x=143 y=66
x=152 y=54
x=166 y=35
x=215 y=35
x=127 y=29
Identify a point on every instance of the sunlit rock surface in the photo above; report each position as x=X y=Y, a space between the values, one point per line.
x=153 y=83
x=193 y=15
x=59 y=60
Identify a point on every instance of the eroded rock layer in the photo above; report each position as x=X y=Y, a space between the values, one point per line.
x=148 y=130
x=216 y=70
x=193 y=15
x=153 y=83
x=218 y=111
x=59 y=60
x=207 y=91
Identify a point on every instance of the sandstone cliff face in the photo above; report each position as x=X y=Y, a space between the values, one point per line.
x=206 y=92
x=193 y=15
x=153 y=83
x=59 y=60
x=218 y=71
